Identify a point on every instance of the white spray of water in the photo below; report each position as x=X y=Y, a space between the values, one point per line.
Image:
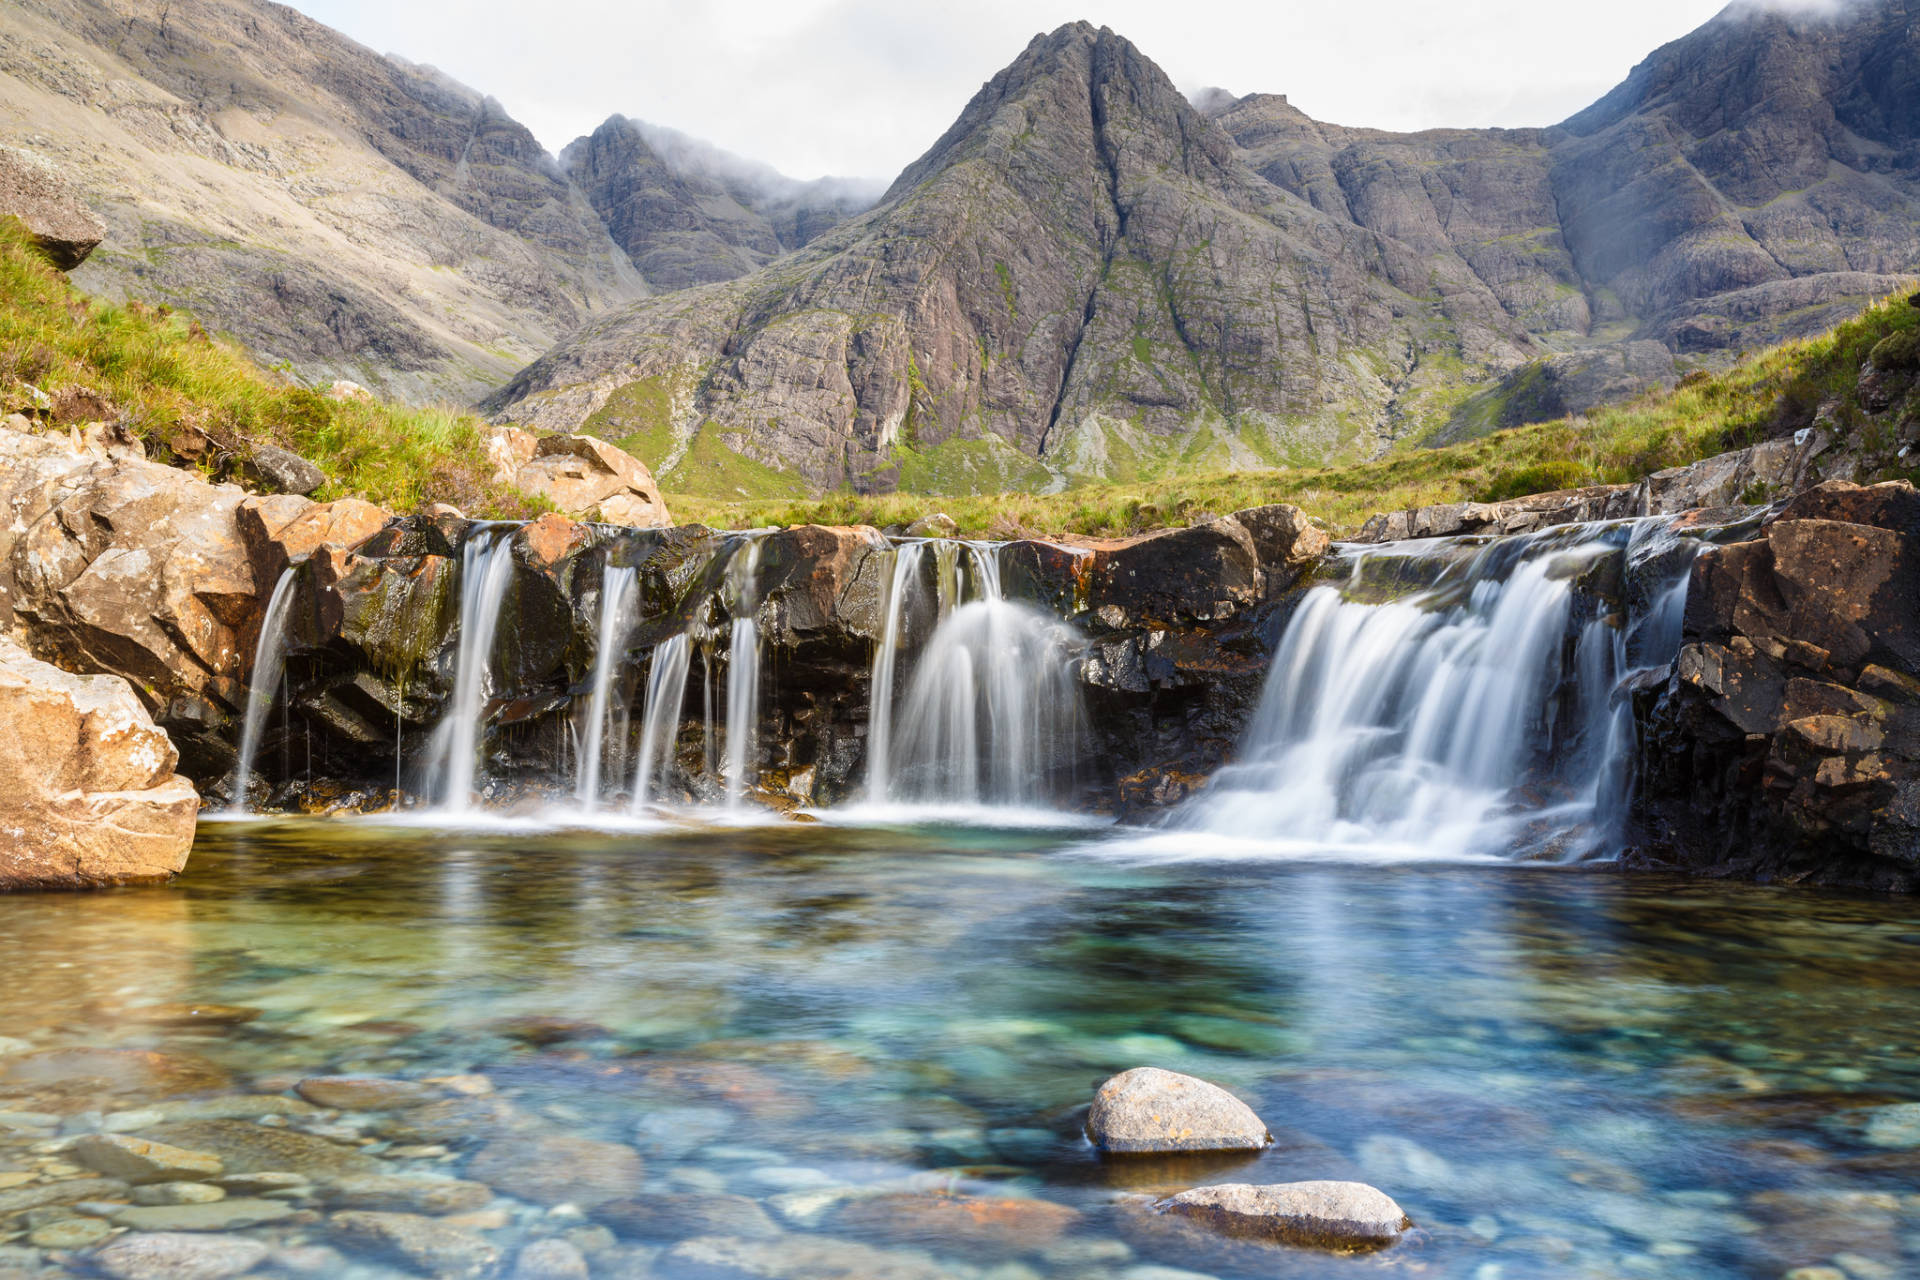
x=660 y=720
x=269 y=664
x=616 y=597
x=486 y=567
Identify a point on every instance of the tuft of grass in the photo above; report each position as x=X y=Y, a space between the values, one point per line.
x=164 y=378
x=1767 y=394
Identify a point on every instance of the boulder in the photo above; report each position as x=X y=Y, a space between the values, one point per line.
x=1346 y=1216
x=1175 y=577
x=1149 y=1110
x=32 y=190
x=282 y=528
x=1786 y=744
x=165 y=1255
x=558 y=1170
x=937 y=525
x=91 y=798
x=585 y=477
x=345 y=390
x=283 y=470
x=508 y=450
x=823 y=581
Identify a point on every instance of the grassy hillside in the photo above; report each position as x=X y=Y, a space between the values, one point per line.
x=161 y=376
x=1773 y=392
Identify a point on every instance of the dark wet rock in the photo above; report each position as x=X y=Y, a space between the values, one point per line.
x=795 y=1257
x=159 y=1255
x=558 y=1170
x=542 y=1030
x=426 y=1245
x=1322 y=1215
x=220 y=1215
x=550 y=1259
x=138 y=1160
x=992 y=1226
x=1151 y=1110
x=404 y=1193
x=1787 y=743
x=266 y=1182
x=101 y=1073
x=1175 y=578
x=366 y=1093
x=254 y=1148
x=678 y=1216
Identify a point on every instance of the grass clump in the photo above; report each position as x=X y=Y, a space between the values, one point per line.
x=164 y=379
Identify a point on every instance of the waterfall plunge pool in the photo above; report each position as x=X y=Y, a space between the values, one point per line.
x=1559 y=1073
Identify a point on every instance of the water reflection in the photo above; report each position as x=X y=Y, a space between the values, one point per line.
x=1558 y=1073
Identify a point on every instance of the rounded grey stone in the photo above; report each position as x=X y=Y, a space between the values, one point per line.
x=1150 y=1110
x=161 y=1255
x=1321 y=1215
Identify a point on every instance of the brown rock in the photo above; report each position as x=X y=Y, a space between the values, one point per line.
x=680 y=1216
x=366 y=1093
x=137 y=1160
x=586 y=477
x=281 y=529
x=987 y=1225
x=1150 y=1110
x=92 y=797
x=558 y=1170
x=244 y=1147
x=32 y=190
x=404 y=1193
x=1175 y=577
x=1345 y=1216
x=433 y=1247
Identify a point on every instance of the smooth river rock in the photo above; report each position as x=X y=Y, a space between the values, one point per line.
x=366 y=1093
x=405 y=1193
x=437 y=1248
x=558 y=1170
x=1151 y=1110
x=1321 y=1215
x=139 y=1160
x=166 y=1255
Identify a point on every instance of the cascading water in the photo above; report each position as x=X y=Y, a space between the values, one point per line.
x=992 y=714
x=486 y=567
x=743 y=670
x=269 y=664
x=616 y=598
x=906 y=565
x=660 y=720
x=1457 y=697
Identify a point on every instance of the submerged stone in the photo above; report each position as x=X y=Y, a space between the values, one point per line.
x=366 y=1093
x=140 y=1160
x=161 y=1255
x=437 y=1248
x=1150 y=1110
x=558 y=1170
x=221 y=1215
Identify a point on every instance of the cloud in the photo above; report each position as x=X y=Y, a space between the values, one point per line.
x=862 y=87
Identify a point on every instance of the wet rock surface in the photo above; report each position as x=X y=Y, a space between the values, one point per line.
x=1787 y=743
x=1324 y=1215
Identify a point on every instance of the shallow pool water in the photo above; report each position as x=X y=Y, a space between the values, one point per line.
x=820 y=1030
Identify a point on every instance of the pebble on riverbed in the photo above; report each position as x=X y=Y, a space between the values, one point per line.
x=167 y=1256
x=1148 y=1110
x=1321 y=1215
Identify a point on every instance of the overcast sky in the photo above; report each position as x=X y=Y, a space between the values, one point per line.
x=862 y=87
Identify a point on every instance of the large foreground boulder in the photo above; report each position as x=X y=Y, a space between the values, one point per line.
x=32 y=190
x=89 y=796
x=1786 y=744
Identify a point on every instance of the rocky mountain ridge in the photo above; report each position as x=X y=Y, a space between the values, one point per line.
x=1088 y=277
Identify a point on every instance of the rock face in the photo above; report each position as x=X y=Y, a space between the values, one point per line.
x=32 y=190
x=91 y=798
x=1148 y=1110
x=1787 y=742
x=589 y=479
x=1345 y=1216
x=1029 y=300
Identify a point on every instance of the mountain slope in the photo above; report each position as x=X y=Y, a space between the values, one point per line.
x=1081 y=276
x=1088 y=277
x=345 y=213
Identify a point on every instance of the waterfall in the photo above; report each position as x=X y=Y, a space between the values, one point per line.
x=616 y=594
x=269 y=664
x=906 y=564
x=486 y=567
x=992 y=714
x=1457 y=697
x=743 y=669
x=660 y=720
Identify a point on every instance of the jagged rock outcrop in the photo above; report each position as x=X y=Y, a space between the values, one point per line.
x=32 y=190
x=586 y=477
x=91 y=797
x=1786 y=744
x=1080 y=278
